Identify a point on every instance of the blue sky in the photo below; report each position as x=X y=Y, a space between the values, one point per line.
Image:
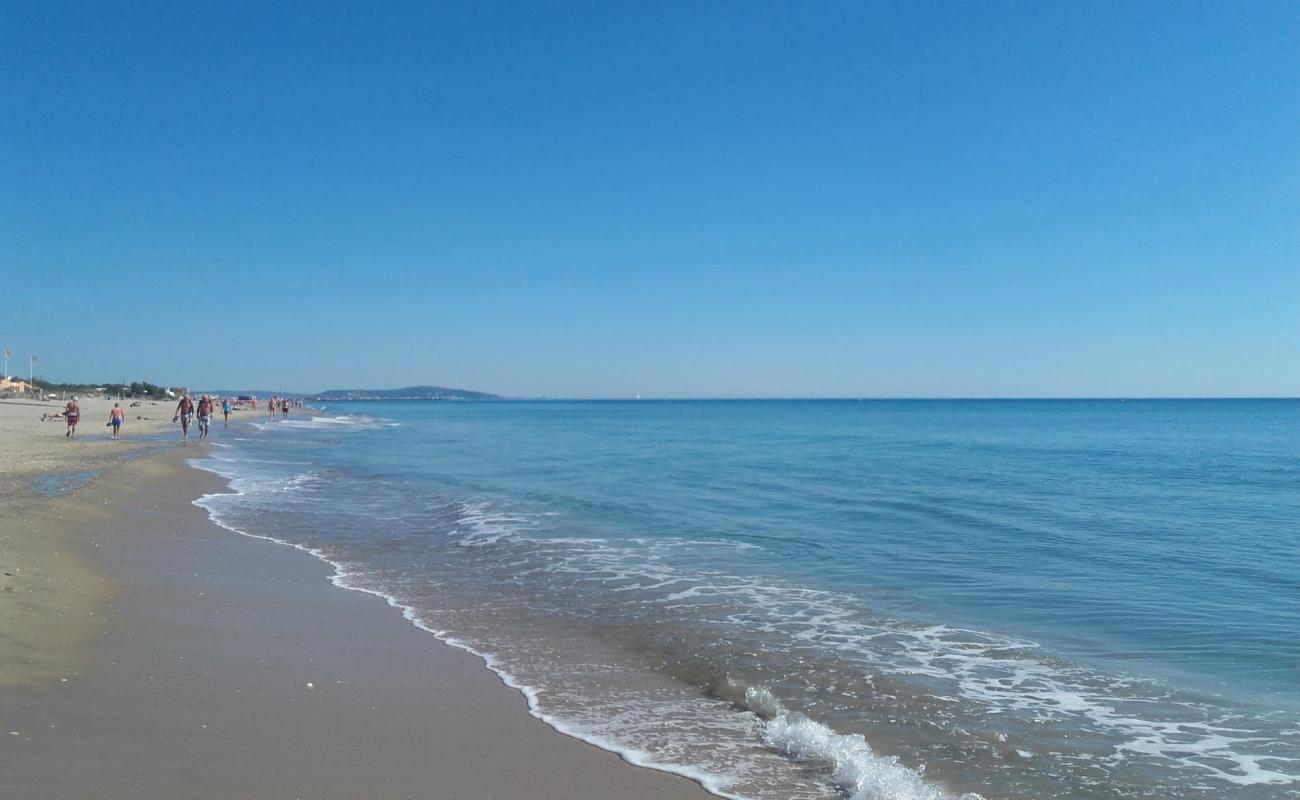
x=695 y=199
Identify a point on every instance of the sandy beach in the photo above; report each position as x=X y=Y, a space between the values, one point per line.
x=35 y=444
x=151 y=654
x=51 y=592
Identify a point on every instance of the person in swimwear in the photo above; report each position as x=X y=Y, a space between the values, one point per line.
x=115 y=418
x=73 y=415
x=205 y=415
x=225 y=410
x=284 y=407
x=184 y=411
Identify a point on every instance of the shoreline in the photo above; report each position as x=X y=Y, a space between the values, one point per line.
x=201 y=649
x=338 y=578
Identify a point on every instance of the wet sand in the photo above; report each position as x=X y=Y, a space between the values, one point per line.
x=204 y=664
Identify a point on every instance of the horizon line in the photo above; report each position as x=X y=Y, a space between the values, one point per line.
x=846 y=398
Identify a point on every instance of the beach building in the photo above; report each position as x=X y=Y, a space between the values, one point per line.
x=12 y=386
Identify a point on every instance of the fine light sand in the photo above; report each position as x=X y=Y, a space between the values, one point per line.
x=33 y=446
x=202 y=664
x=48 y=590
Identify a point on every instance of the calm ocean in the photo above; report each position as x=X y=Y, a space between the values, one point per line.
x=895 y=600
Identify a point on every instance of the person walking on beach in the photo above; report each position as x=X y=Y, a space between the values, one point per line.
x=115 y=418
x=205 y=415
x=184 y=411
x=284 y=407
x=225 y=410
x=72 y=413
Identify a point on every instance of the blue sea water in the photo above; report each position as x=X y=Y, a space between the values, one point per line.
x=817 y=599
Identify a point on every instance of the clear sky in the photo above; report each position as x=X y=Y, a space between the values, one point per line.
x=697 y=199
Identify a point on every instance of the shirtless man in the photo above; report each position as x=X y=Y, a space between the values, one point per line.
x=184 y=411
x=115 y=418
x=205 y=415
x=73 y=416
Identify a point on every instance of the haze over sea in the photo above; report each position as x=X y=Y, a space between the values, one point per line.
x=814 y=599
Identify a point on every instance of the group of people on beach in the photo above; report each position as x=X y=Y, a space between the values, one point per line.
x=187 y=411
x=72 y=416
x=205 y=409
x=281 y=405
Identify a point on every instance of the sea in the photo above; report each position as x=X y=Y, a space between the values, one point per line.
x=798 y=600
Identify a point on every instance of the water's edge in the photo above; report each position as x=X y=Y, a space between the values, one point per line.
x=338 y=578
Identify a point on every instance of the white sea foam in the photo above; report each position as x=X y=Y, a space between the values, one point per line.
x=343 y=576
x=357 y=422
x=1005 y=676
x=480 y=525
x=852 y=764
x=858 y=770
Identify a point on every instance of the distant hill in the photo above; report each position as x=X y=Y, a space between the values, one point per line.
x=408 y=393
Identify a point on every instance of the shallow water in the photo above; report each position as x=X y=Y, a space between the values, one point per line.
x=911 y=599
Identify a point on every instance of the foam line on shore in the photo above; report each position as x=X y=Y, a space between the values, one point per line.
x=860 y=772
x=855 y=769
x=711 y=783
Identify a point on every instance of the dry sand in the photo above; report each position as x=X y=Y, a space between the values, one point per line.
x=31 y=446
x=203 y=664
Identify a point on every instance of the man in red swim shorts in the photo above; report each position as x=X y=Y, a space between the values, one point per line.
x=73 y=415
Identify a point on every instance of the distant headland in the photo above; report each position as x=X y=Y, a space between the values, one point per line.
x=407 y=393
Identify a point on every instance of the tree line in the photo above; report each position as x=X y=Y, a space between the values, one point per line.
x=137 y=389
